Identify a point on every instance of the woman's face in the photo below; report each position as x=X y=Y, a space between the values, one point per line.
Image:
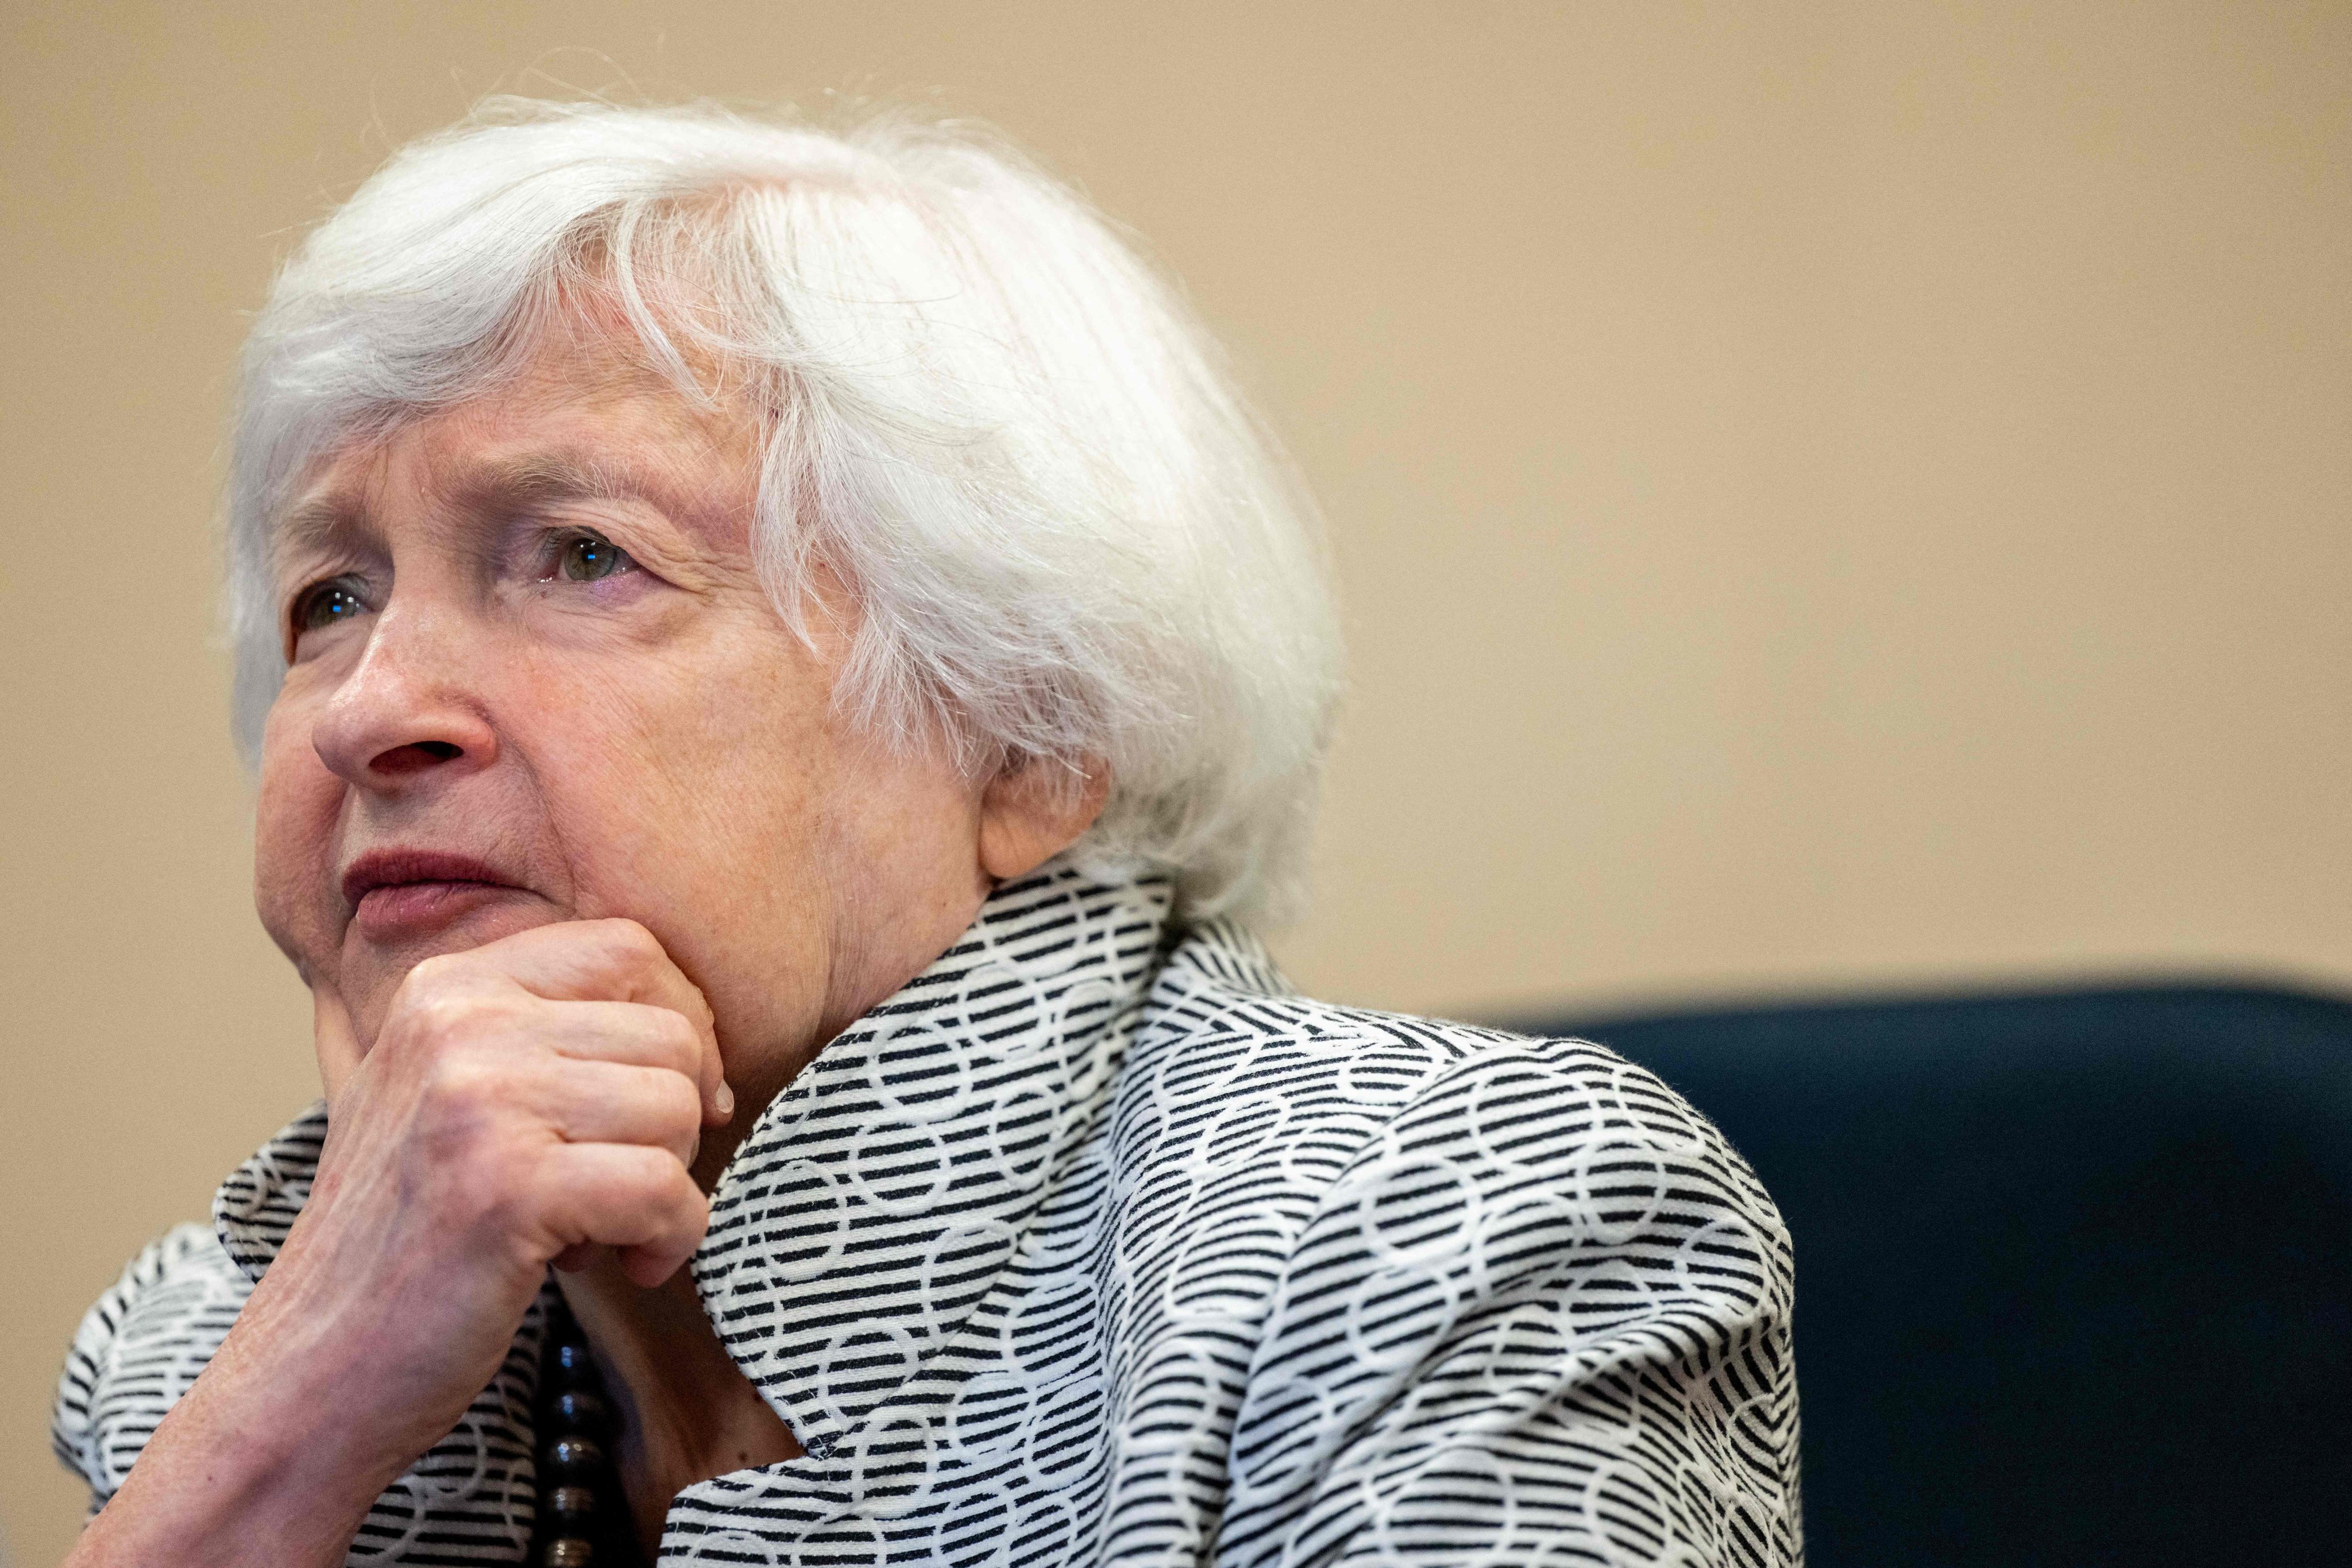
x=535 y=678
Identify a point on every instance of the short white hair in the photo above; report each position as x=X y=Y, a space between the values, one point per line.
x=1068 y=538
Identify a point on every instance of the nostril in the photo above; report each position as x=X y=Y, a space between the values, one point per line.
x=416 y=756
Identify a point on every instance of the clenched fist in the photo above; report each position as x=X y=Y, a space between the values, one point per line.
x=523 y=1103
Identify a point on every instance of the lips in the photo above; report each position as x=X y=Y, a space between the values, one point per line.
x=394 y=892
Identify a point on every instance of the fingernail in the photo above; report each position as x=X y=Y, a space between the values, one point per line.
x=725 y=1099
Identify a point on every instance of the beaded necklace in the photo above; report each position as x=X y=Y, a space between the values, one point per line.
x=583 y=1514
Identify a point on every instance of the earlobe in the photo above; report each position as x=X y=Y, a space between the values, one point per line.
x=1034 y=809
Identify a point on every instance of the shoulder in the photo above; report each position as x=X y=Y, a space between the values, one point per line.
x=139 y=1348
x=1222 y=1037
x=1486 y=1260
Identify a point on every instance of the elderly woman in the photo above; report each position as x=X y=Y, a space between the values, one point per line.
x=782 y=679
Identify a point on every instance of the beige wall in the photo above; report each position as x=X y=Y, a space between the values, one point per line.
x=1825 y=494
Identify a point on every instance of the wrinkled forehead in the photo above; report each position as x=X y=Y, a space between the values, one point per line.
x=587 y=411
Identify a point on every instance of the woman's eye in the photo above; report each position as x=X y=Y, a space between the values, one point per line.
x=327 y=603
x=586 y=557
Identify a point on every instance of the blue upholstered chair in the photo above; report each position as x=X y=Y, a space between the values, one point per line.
x=2073 y=1270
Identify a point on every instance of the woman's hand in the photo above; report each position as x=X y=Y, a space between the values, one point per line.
x=538 y=1096
x=535 y=1097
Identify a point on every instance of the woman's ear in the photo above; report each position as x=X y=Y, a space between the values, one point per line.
x=1035 y=808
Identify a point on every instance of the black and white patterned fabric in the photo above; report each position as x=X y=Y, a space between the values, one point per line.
x=1094 y=1246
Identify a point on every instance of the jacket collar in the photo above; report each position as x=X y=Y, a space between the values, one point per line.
x=877 y=1198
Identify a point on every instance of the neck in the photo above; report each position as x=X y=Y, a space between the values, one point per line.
x=687 y=1412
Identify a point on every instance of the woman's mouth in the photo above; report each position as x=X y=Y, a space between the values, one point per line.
x=396 y=894
x=397 y=909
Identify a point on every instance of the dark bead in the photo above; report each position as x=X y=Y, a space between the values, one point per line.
x=572 y=1505
x=570 y=1551
x=578 y=1408
x=575 y=1455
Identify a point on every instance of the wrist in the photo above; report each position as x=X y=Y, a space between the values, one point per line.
x=260 y=1462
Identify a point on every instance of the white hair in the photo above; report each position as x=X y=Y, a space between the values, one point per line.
x=1068 y=539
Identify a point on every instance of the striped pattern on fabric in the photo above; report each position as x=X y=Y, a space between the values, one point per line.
x=470 y=1499
x=1092 y=1246
x=137 y=1350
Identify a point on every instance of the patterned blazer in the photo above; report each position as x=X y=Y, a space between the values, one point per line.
x=1094 y=1244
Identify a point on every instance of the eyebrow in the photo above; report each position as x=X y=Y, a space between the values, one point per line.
x=544 y=479
x=538 y=479
x=313 y=525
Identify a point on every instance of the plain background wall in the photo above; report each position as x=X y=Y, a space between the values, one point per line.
x=1834 y=494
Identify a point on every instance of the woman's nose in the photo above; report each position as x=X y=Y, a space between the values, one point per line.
x=405 y=714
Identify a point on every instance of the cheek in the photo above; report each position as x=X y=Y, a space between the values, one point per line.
x=732 y=712
x=295 y=818
x=713 y=777
x=691 y=792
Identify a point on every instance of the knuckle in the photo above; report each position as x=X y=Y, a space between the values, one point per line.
x=647 y=1169
x=442 y=1018
x=430 y=977
x=682 y=1101
x=513 y=1196
x=433 y=967
x=629 y=943
x=678 y=1034
x=457 y=1088
x=435 y=1015
x=678 y=1193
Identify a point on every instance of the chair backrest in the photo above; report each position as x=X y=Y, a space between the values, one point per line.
x=2073 y=1270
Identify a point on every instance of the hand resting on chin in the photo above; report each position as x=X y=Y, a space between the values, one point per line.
x=525 y=1103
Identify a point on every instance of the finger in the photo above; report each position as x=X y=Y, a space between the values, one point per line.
x=649 y=1267
x=641 y=1034
x=613 y=960
x=612 y=1102
x=637 y=1199
x=636 y=1034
